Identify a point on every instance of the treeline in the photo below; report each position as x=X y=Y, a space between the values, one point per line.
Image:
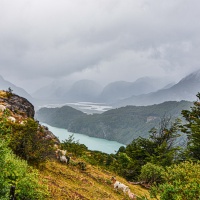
x=171 y=171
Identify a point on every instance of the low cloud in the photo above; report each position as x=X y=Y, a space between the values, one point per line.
x=99 y=40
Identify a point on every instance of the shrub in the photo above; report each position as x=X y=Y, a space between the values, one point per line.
x=181 y=181
x=74 y=146
x=151 y=173
x=28 y=141
x=16 y=172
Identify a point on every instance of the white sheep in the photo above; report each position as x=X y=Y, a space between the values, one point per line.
x=118 y=185
x=60 y=153
x=65 y=159
x=2 y=108
x=12 y=119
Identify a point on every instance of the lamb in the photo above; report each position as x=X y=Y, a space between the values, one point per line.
x=2 y=108
x=118 y=185
x=12 y=119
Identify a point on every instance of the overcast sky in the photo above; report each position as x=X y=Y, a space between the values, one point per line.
x=102 y=40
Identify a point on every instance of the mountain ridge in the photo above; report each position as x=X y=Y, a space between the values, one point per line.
x=185 y=89
x=120 y=124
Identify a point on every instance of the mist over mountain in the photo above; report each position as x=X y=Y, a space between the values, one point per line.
x=185 y=89
x=143 y=91
x=89 y=90
x=4 y=85
x=83 y=90
x=53 y=92
x=118 y=90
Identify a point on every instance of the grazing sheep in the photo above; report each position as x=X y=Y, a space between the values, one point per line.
x=65 y=159
x=131 y=195
x=12 y=119
x=118 y=185
x=60 y=153
x=2 y=108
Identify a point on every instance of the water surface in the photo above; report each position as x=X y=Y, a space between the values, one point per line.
x=92 y=143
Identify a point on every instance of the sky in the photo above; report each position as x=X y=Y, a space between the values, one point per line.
x=103 y=40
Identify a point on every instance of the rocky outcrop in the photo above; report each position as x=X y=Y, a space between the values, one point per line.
x=18 y=105
x=21 y=109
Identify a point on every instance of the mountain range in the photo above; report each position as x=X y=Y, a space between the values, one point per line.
x=90 y=91
x=185 y=89
x=144 y=91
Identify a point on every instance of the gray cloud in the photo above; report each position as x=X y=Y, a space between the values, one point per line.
x=42 y=40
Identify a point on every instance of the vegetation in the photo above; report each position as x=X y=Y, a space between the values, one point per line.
x=121 y=124
x=9 y=92
x=15 y=171
x=59 y=117
x=180 y=181
x=192 y=129
x=171 y=171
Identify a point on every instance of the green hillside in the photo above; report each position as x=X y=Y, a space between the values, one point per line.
x=121 y=124
x=59 y=117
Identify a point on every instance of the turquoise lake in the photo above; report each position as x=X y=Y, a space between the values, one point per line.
x=92 y=143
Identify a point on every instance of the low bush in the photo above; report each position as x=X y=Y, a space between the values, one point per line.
x=181 y=181
x=151 y=173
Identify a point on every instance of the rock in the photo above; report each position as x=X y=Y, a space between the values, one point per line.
x=18 y=105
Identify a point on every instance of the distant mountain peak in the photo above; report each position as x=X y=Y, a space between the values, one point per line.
x=192 y=76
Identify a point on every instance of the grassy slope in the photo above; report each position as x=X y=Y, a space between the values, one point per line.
x=70 y=182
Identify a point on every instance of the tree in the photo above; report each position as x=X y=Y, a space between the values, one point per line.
x=9 y=92
x=192 y=129
x=164 y=138
x=74 y=146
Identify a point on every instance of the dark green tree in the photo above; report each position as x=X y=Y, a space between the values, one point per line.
x=192 y=129
x=164 y=138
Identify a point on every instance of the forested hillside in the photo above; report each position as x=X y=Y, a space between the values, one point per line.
x=121 y=124
x=59 y=117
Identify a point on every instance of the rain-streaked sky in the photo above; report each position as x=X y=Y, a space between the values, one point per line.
x=102 y=40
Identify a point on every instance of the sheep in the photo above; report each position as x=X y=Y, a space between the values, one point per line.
x=2 y=108
x=118 y=185
x=65 y=159
x=60 y=153
x=131 y=195
x=12 y=119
